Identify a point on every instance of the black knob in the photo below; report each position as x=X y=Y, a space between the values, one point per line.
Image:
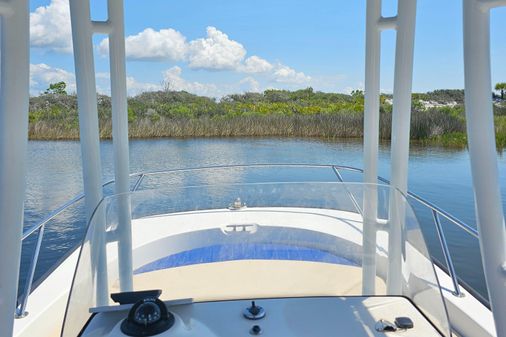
x=256 y=330
x=254 y=312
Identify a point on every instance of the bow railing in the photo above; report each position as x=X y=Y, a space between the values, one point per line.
x=138 y=179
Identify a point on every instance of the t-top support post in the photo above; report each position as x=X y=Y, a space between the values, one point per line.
x=401 y=118
x=482 y=150
x=371 y=143
x=120 y=140
x=14 y=95
x=89 y=135
x=114 y=28
x=404 y=24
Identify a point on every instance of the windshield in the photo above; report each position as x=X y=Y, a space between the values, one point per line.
x=257 y=240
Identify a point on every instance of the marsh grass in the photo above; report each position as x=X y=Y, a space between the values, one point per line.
x=424 y=125
x=274 y=113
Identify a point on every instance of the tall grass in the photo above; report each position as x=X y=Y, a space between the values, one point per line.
x=279 y=113
x=424 y=125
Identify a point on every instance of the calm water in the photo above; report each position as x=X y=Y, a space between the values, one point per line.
x=54 y=176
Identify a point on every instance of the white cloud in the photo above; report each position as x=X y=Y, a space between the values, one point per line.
x=215 y=52
x=255 y=64
x=176 y=82
x=41 y=75
x=134 y=87
x=249 y=84
x=50 y=27
x=173 y=78
x=152 y=45
x=287 y=75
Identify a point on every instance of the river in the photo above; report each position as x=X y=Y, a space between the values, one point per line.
x=440 y=175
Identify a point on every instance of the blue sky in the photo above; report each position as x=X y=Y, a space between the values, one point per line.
x=219 y=47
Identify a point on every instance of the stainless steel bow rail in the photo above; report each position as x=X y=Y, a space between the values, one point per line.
x=437 y=213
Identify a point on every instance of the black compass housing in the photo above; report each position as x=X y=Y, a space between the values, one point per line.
x=147 y=317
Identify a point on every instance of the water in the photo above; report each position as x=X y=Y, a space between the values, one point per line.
x=439 y=175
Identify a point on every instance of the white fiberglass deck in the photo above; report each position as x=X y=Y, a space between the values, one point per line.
x=171 y=265
x=286 y=317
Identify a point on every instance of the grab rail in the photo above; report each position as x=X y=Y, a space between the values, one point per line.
x=436 y=212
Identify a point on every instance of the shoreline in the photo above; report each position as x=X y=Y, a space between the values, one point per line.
x=413 y=142
x=418 y=142
x=454 y=140
x=437 y=118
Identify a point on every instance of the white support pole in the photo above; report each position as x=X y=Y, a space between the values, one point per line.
x=371 y=143
x=89 y=132
x=401 y=116
x=14 y=95
x=5 y=8
x=482 y=150
x=120 y=140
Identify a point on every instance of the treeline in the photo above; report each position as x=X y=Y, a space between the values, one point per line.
x=437 y=117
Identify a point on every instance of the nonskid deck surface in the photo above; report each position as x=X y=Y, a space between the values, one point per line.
x=290 y=317
x=214 y=264
x=242 y=251
x=267 y=224
x=248 y=269
x=255 y=279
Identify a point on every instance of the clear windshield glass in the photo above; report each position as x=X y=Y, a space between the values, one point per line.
x=260 y=240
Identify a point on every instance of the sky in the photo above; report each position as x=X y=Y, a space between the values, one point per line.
x=215 y=48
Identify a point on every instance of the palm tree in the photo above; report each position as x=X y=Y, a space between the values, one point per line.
x=502 y=87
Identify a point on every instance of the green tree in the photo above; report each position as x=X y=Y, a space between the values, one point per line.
x=357 y=93
x=501 y=87
x=56 y=89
